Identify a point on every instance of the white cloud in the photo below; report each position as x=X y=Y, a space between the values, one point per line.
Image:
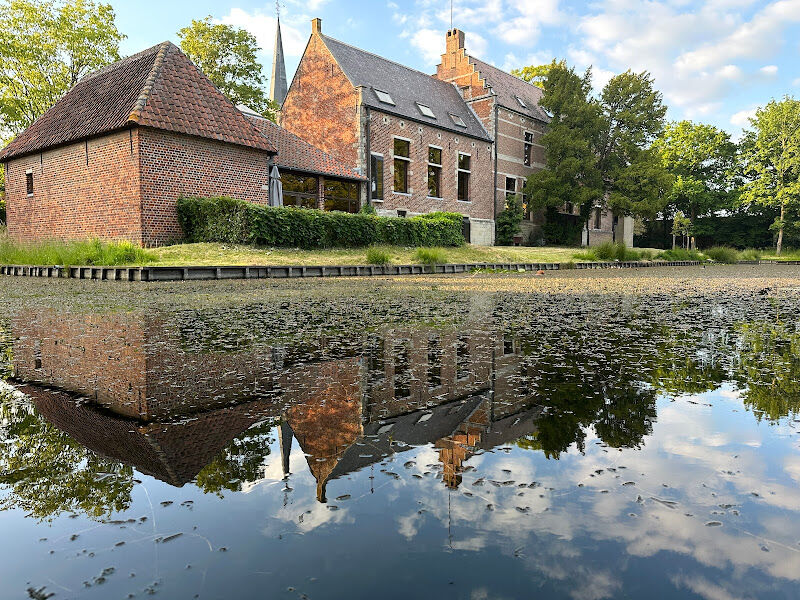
x=769 y=70
x=742 y=118
x=430 y=44
x=262 y=26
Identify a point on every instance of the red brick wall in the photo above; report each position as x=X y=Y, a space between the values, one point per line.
x=322 y=105
x=384 y=128
x=174 y=165
x=75 y=198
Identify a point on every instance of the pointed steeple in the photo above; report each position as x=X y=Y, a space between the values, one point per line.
x=277 y=86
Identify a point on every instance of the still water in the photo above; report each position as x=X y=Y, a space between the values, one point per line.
x=580 y=436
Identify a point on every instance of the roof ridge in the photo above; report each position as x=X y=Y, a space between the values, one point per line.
x=136 y=112
x=389 y=60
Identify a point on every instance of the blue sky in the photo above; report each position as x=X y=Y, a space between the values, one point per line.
x=714 y=60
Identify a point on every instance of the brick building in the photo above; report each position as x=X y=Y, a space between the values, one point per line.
x=311 y=178
x=112 y=156
x=510 y=112
x=420 y=145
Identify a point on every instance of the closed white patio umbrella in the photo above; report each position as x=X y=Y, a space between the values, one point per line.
x=275 y=187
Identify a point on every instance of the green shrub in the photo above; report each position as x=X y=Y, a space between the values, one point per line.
x=646 y=254
x=560 y=229
x=508 y=222
x=430 y=256
x=751 y=254
x=606 y=251
x=368 y=209
x=722 y=254
x=680 y=254
x=587 y=256
x=378 y=256
x=87 y=252
x=2 y=209
x=235 y=221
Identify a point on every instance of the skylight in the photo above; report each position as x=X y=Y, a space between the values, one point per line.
x=426 y=110
x=521 y=102
x=458 y=120
x=384 y=97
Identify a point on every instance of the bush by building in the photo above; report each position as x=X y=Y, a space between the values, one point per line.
x=223 y=219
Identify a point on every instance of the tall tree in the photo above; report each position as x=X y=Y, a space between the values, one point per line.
x=227 y=55
x=533 y=74
x=45 y=48
x=771 y=153
x=570 y=143
x=702 y=159
x=633 y=115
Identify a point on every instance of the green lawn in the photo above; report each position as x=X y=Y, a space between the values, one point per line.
x=227 y=254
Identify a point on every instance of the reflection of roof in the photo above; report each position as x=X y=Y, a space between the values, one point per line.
x=158 y=87
x=406 y=87
x=172 y=452
x=295 y=154
x=508 y=88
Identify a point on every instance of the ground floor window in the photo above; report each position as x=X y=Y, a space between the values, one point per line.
x=598 y=219
x=341 y=195
x=299 y=191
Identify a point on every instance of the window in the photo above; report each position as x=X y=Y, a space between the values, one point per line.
x=298 y=191
x=511 y=187
x=402 y=214
x=521 y=102
x=402 y=369
x=29 y=182
x=384 y=97
x=341 y=195
x=458 y=120
x=434 y=172
x=434 y=362
x=426 y=110
x=402 y=154
x=376 y=177
x=597 y=218
x=463 y=176
x=528 y=148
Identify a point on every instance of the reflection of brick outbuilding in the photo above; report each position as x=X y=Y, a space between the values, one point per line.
x=112 y=156
x=422 y=148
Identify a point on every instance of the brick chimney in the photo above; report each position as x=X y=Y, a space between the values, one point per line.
x=316 y=26
x=455 y=41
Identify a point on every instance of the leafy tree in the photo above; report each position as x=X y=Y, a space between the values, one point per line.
x=534 y=75
x=682 y=228
x=633 y=115
x=227 y=55
x=771 y=152
x=509 y=220
x=571 y=140
x=45 y=48
x=702 y=160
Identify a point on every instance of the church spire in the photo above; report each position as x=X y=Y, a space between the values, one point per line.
x=277 y=86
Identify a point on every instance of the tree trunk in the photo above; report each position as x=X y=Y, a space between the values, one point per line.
x=780 y=231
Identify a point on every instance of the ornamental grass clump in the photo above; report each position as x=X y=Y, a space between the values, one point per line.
x=430 y=256
x=722 y=254
x=378 y=256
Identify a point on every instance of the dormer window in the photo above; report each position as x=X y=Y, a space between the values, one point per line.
x=426 y=110
x=521 y=102
x=384 y=97
x=458 y=120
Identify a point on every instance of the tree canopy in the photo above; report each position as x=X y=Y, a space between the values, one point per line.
x=45 y=48
x=227 y=55
x=533 y=74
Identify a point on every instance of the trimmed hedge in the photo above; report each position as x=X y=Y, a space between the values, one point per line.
x=224 y=219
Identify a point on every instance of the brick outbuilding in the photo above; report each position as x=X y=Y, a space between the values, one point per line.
x=111 y=157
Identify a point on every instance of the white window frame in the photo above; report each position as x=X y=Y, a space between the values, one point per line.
x=468 y=171
x=407 y=159
x=440 y=166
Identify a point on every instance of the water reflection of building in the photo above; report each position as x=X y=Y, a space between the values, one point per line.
x=172 y=403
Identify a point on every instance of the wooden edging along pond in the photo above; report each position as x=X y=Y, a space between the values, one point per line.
x=290 y=271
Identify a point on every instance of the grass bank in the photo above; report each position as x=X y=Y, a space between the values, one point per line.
x=89 y=252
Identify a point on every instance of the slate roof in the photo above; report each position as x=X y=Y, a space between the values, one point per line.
x=507 y=87
x=158 y=87
x=406 y=87
x=295 y=154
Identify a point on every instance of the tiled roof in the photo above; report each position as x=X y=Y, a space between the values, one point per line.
x=159 y=87
x=406 y=87
x=295 y=154
x=508 y=88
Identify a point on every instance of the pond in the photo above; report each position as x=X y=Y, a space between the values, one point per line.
x=579 y=435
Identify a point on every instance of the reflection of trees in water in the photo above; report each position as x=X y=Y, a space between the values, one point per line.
x=240 y=462
x=768 y=369
x=6 y=350
x=47 y=473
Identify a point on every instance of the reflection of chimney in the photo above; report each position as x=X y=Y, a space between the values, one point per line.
x=286 y=446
